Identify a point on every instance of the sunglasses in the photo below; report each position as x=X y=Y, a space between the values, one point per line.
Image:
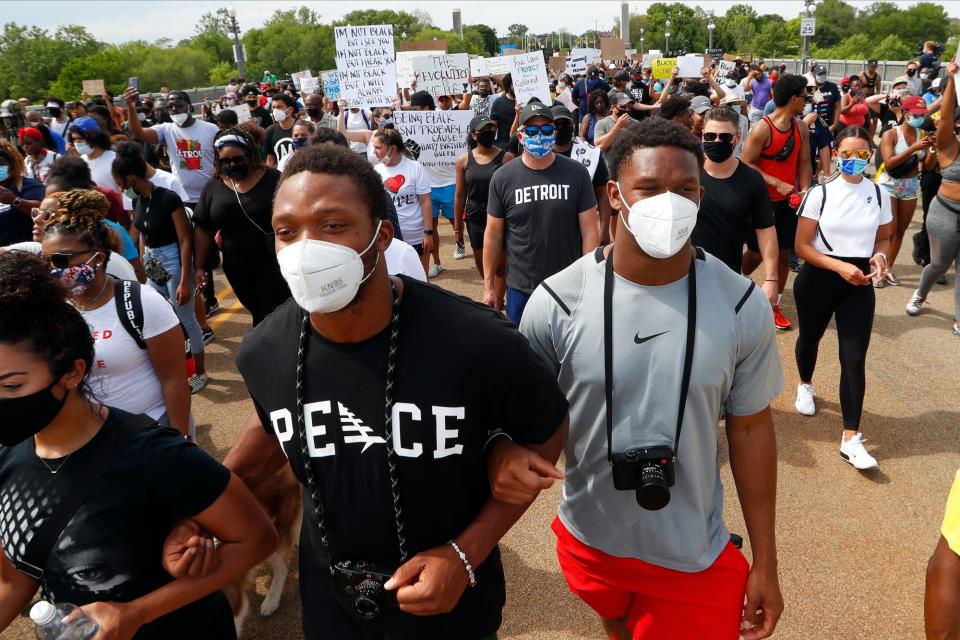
x=41 y=215
x=61 y=259
x=710 y=136
x=534 y=129
x=862 y=154
x=230 y=161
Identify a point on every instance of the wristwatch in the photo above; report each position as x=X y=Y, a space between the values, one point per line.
x=428 y=232
x=16 y=203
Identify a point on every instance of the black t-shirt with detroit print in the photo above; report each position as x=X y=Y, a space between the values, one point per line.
x=541 y=216
x=446 y=404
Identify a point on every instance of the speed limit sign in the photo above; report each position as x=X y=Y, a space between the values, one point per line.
x=808 y=27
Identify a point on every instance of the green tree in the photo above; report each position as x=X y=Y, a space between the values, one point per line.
x=489 y=36
x=178 y=67
x=772 y=41
x=924 y=21
x=472 y=42
x=31 y=58
x=517 y=30
x=216 y=45
x=113 y=65
x=737 y=33
x=688 y=28
x=835 y=20
x=221 y=73
x=292 y=40
x=402 y=21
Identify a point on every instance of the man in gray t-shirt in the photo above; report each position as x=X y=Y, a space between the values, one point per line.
x=671 y=572
x=542 y=208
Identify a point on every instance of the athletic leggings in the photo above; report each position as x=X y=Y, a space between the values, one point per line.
x=821 y=294
x=943 y=229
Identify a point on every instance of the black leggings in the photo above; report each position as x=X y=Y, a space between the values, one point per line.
x=821 y=294
x=258 y=286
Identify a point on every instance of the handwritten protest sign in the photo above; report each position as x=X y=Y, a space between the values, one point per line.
x=576 y=65
x=499 y=66
x=309 y=85
x=441 y=135
x=366 y=62
x=331 y=84
x=593 y=55
x=405 y=60
x=242 y=111
x=663 y=67
x=94 y=88
x=442 y=74
x=297 y=76
x=530 y=78
x=690 y=66
x=725 y=68
x=478 y=67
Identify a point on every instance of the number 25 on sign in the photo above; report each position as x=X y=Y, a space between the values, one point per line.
x=808 y=27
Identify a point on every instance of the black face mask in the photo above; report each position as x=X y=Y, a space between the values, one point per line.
x=911 y=72
x=236 y=172
x=27 y=416
x=486 y=138
x=314 y=112
x=54 y=112
x=483 y=93
x=252 y=103
x=718 y=151
x=564 y=134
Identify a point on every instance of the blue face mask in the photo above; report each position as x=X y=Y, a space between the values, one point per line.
x=915 y=121
x=4 y=173
x=299 y=142
x=853 y=166
x=539 y=145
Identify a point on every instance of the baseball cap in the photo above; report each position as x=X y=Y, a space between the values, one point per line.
x=818 y=69
x=900 y=80
x=915 y=105
x=560 y=112
x=845 y=80
x=592 y=71
x=250 y=90
x=85 y=123
x=622 y=75
x=534 y=109
x=700 y=104
x=479 y=122
x=622 y=98
x=422 y=99
x=871 y=63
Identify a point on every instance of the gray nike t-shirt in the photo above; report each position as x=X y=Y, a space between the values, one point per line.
x=736 y=367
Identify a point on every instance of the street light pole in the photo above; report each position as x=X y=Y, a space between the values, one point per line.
x=666 y=36
x=238 y=53
x=711 y=26
x=806 y=40
x=641 y=40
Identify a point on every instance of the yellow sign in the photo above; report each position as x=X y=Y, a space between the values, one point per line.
x=663 y=67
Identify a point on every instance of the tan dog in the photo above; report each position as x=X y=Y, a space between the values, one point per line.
x=280 y=497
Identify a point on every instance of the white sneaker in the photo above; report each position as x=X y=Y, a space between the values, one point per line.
x=913 y=307
x=805 y=404
x=853 y=452
x=459 y=253
x=435 y=270
x=197 y=381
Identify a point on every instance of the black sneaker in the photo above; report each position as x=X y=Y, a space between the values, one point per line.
x=213 y=308
x=207 y=336
x=795 y=266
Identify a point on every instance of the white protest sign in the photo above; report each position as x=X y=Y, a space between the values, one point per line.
x=366 y=62
x=441 y=135
x=405 y=66
x=298 y=76
x=576 y=65
x=478 y=67
x=242 y=111
x=530 y=78
x=331 y=84
x=499 y=66
x=691 y=66
x=724 y=69
x=309 y=85
x=442 y=74
x=593 y=55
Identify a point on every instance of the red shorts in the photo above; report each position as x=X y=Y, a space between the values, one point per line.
x=658 y=603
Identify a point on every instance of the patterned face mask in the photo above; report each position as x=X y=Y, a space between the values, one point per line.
x=76 y=279
x=539 y=145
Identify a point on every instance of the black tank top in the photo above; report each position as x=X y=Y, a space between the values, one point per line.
x=478 y=176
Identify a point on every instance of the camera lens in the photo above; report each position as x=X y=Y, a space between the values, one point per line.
x=653 y=493
x=366 y=607
x=367 y=603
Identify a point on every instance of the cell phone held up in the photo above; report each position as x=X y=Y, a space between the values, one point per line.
x=134 y=82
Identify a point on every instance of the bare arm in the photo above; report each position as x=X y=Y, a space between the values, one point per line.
x=605 y=141
x=941 y=600
x=888 y=149
x=585 y=126
x=604 y=208
x=460 y=197
x=166 y=355
x=256 y=455
x=185 y=242
x=492 y=253
x=757 y=139
x=805 y=170
x=16 y=592
x=770 y=251
x=133 y=122
x=202 y=240
x=589 y=237
x=946 y=140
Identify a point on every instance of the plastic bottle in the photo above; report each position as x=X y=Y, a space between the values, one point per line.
x=51 y=624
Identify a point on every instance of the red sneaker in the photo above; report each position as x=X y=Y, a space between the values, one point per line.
x=779 y=320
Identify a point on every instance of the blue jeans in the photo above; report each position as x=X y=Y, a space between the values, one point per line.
x=169 y=255
x=516 y=303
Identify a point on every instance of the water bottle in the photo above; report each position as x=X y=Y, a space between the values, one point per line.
x=51 y=624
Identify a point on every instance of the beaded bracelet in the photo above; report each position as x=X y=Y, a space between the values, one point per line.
x=471 y=578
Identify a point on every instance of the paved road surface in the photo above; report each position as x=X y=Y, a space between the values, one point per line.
x=853 y=547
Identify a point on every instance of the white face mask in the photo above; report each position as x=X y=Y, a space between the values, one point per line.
x=661 y=224
x=230 y=102
x=279 y=115
x=179 y=118
x=323 y=276
x=822 y=78
x=83 y=148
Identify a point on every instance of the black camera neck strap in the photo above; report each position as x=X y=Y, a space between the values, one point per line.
x=608 y=348
x=313 y=486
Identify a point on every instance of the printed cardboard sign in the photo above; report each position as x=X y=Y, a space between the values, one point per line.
x=94 y=88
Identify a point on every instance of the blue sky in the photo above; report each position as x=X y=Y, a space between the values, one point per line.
x=130 y=20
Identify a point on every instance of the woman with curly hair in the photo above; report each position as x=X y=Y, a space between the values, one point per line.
x=237 y=204
x=19 y=194
x=143 y=478
x=137 y=373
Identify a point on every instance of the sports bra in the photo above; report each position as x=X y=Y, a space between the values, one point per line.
x=952 y=173
x=902 y=145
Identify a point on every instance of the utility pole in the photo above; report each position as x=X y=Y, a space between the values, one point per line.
x=666 y=37
x=710 y=27
x=806 y=39
x=641 y=40
x=239 y=52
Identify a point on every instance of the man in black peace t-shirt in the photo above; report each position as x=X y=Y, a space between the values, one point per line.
x=396 y=436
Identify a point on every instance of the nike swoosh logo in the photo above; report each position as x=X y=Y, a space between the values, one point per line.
x=640 y=340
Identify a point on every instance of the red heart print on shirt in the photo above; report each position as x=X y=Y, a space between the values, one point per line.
x=394 y=183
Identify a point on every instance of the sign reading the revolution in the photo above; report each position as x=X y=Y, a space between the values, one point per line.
x=441 y=135
x=442 y=74
x=530 y=78
x=365 y=60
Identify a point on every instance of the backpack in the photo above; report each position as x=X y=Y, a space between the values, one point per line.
x=823 y=187
x=126 y=295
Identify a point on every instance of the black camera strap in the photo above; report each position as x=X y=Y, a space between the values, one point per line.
x=312 y=485
x=608 y=348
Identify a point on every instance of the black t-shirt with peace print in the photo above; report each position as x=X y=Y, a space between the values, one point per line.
x=447 y=402
x=110 y=550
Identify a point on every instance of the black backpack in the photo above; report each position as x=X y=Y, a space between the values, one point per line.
x=126 y=295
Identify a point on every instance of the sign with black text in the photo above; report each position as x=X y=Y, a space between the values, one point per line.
x=366 y=62
x=442 y=74
x=440 y=135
